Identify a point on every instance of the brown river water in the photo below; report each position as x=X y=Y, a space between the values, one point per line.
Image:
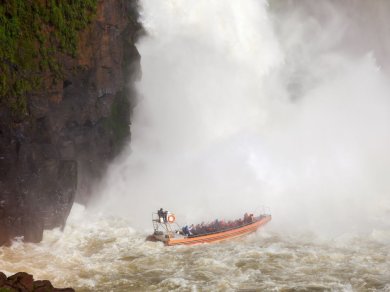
x=104 y=254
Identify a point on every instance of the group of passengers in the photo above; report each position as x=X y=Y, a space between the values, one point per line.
x=217 y=225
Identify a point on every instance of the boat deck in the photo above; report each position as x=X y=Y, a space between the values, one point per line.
x=219 y=235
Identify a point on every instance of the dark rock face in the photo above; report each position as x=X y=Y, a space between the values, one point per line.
x=25 y=282
x=74 y=127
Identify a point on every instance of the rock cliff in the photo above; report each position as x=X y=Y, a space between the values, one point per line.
x=71 y=128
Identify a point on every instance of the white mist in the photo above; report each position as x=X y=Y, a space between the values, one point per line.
x=245 y=104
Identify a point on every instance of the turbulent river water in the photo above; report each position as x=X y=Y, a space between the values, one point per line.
x=98 y=253
x=243 y=103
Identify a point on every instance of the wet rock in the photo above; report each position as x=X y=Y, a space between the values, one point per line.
x=3 y=279
x=21 y=281
x=43 y=286
x=24 y=282
x=39 y=107
x=73 y=129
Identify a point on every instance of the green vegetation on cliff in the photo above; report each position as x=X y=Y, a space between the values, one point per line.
x=33 y=36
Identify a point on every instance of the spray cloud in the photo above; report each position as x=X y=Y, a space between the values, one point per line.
x=252 y=103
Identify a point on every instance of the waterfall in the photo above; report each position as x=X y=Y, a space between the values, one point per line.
x=251 y=103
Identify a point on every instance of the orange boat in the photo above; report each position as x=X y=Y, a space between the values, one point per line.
x=167 y=231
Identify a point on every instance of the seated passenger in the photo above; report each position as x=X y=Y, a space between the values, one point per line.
x=187 y=230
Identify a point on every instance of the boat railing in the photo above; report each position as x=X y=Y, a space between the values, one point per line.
x=264 y=210
x=172 y=228
x=159 y=224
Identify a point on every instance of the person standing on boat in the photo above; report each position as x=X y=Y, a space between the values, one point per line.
x=160 y=214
